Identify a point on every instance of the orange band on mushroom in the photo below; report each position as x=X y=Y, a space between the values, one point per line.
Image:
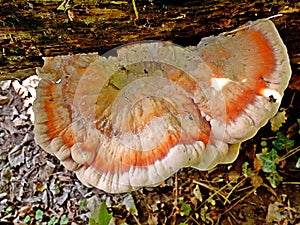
x=55 y=123
x=139 y=114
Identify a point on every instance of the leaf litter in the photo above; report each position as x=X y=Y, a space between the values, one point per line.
x=36 y=189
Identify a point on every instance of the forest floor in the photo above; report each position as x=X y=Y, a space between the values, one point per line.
x=36 y=189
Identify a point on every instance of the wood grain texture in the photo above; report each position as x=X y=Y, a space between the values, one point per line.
x=32 y=29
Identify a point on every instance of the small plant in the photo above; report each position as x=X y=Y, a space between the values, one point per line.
x=39 y=214
x=27 y=219
x=53 y=221
x=282 y=142
x=100 y=216
x=270 y=158
x=9 y=209
x=63 y=220
x=185 y=208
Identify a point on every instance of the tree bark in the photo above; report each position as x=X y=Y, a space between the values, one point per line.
x=30 y=30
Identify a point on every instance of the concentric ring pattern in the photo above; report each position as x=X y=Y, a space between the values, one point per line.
x=136 y=115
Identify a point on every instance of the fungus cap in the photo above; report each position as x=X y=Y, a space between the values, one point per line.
x=136 y=115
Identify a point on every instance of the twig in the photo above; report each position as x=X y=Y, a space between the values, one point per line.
x=212 y=189
x=240 y=200
x=232 y=190
x=135 y=10
x=290 y=153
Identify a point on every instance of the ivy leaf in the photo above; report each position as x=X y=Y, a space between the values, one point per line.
x=278 y=120
x=282 y=142
x=100 y=216
x=268 y=160
x=274 y=179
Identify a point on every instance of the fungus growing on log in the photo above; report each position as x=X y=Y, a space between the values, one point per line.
x=136 y=115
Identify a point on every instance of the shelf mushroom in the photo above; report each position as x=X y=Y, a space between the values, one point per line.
x=136 y=115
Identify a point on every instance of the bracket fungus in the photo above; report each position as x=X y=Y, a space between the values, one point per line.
x=136 y=115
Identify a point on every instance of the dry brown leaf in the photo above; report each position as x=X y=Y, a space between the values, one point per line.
x=256 y=181
x=257 y=164
x=276 y=213
x=4 y=100
x=16 y=156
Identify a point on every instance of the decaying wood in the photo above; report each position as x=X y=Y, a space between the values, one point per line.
x=30 y=30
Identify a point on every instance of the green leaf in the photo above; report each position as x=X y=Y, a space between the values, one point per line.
x=274 y=179
x=298 y=120
x=9 y=209
x=100 y=216
x=247 y=172
x=53 y=221
x=282 y=142
x=268 y=160
x=186 y=208
x=39 y=214
x=27 y=219
x=63 y=220
x=263 y=143
x=82 y=204
x=265 y=150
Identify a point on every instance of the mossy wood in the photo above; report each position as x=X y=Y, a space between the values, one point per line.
x=30 y=30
